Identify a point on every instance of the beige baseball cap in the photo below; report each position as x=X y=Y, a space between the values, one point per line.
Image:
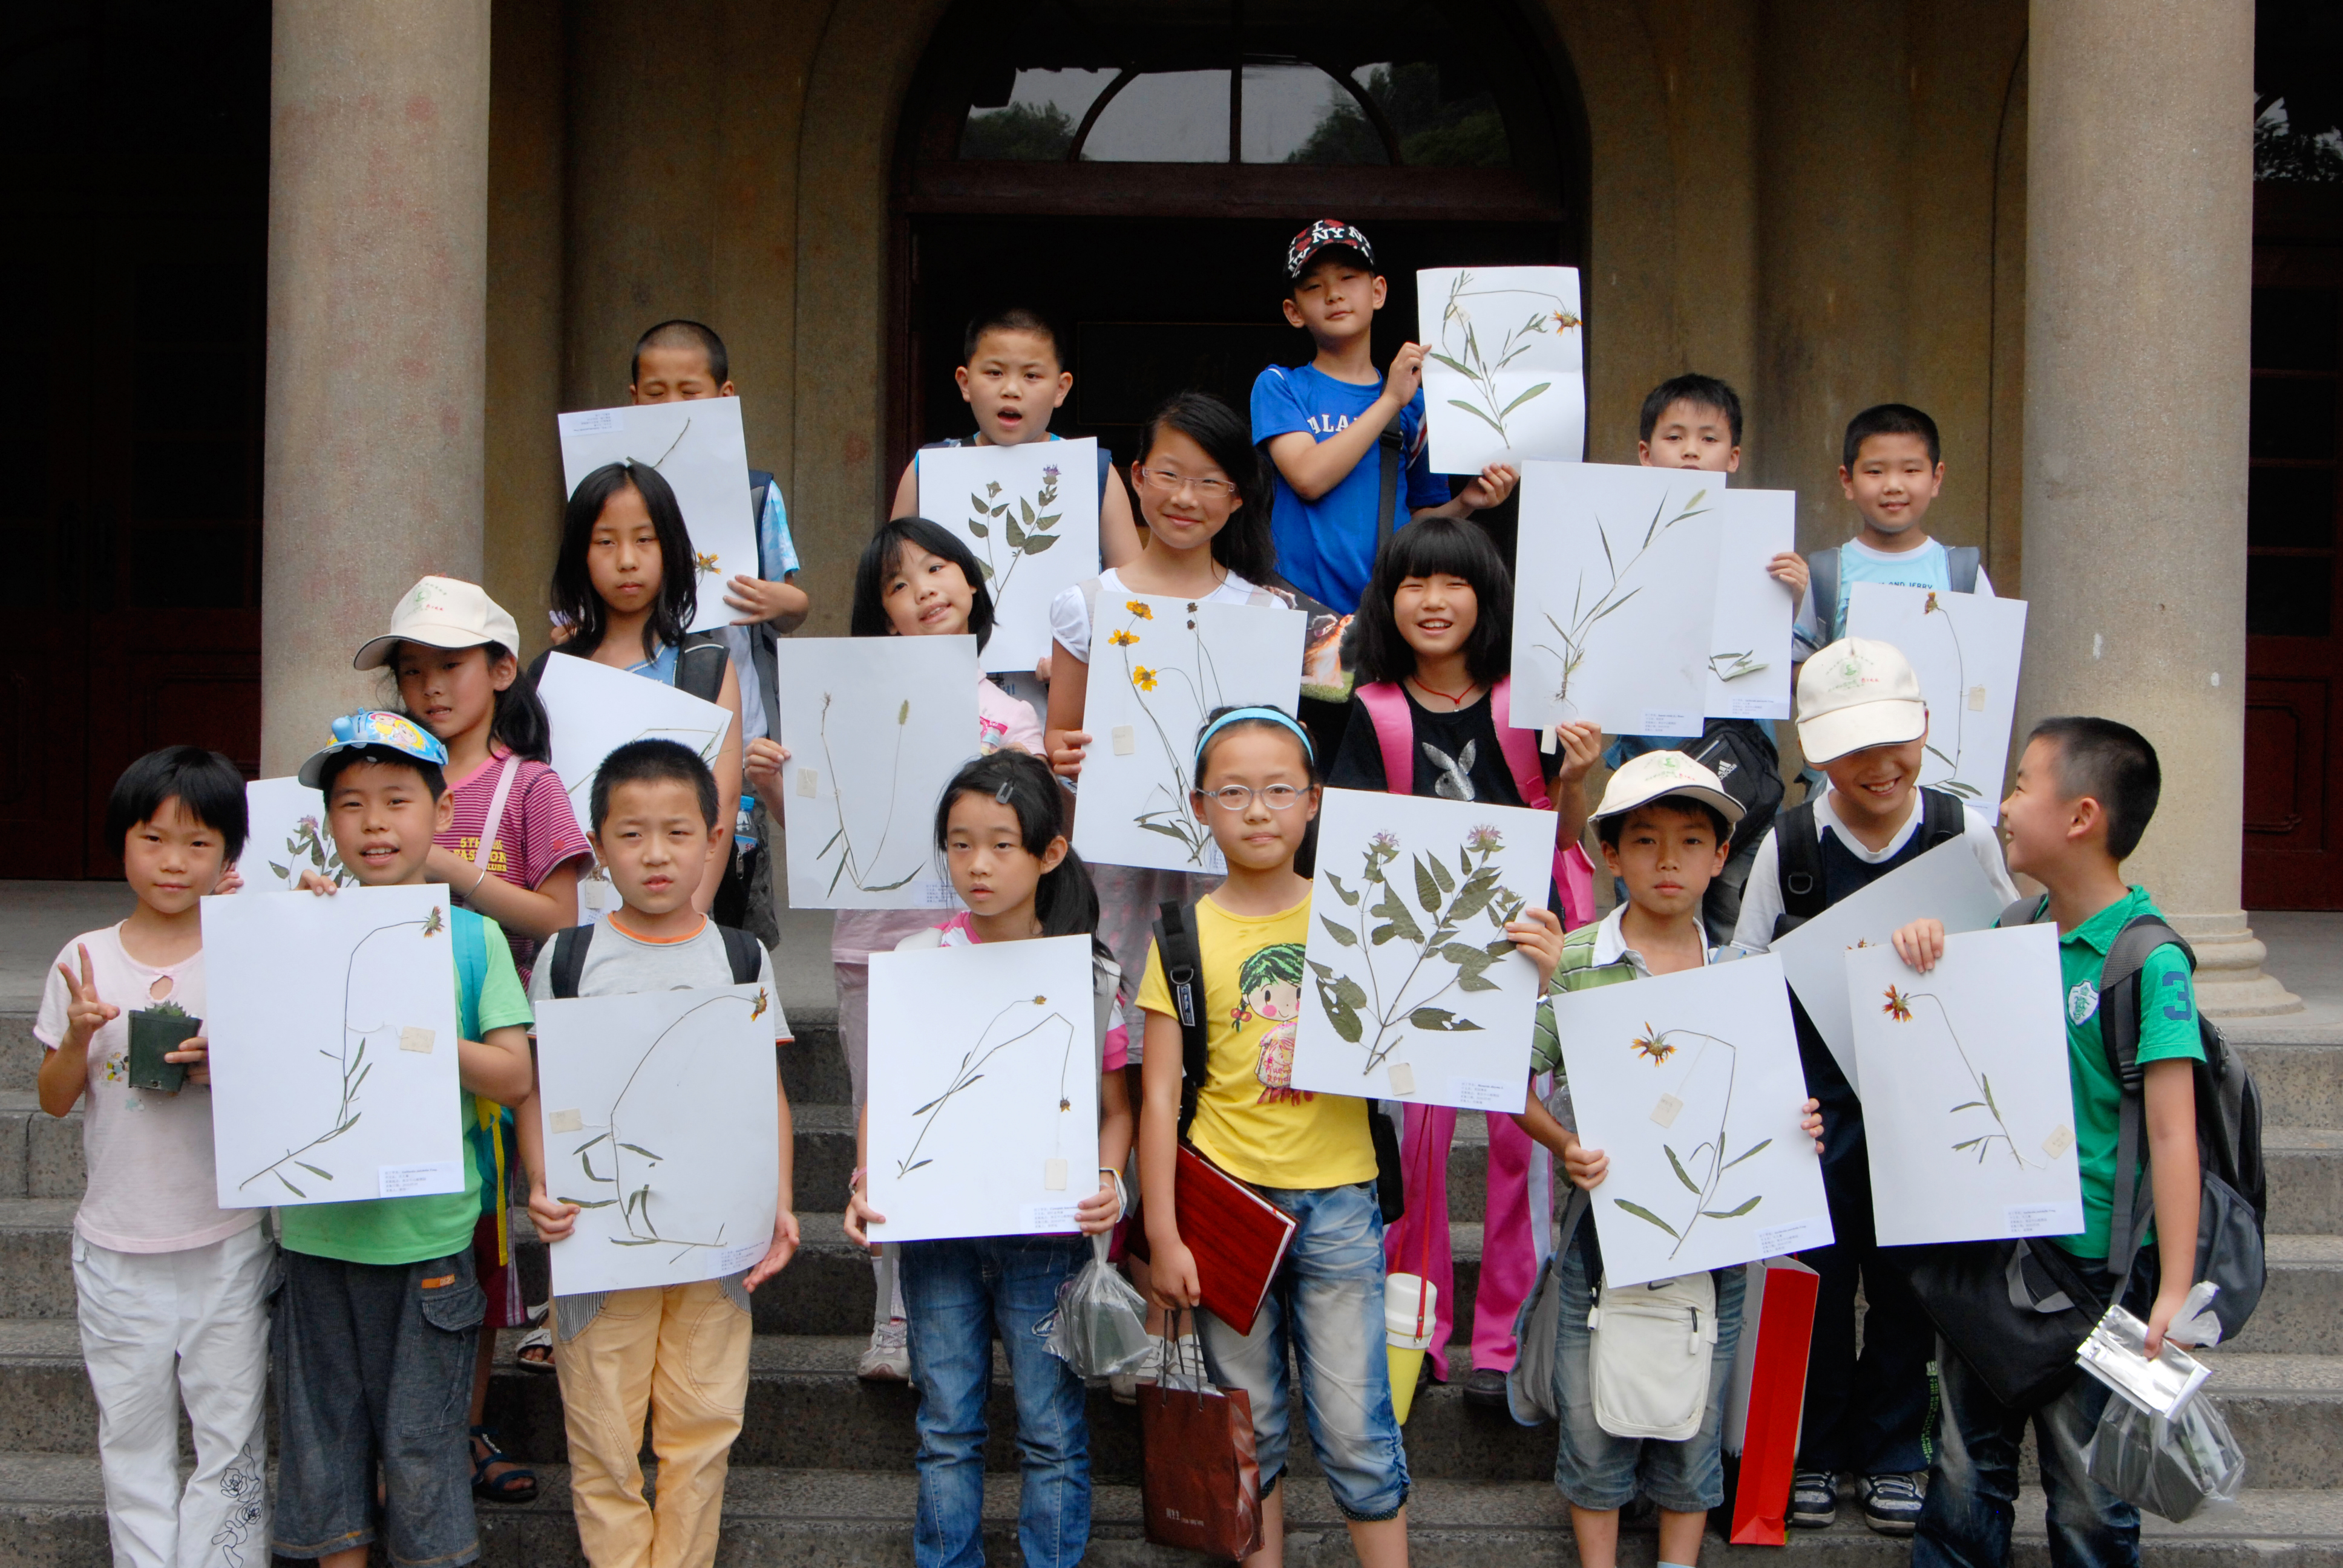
x=1858 y=693
x=442 y=612
x=1654 y=774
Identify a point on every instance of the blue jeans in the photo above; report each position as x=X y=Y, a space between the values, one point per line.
x=956 y=1294
x=1972 y=1484
x=1598 y=1470
x=1327 y=1297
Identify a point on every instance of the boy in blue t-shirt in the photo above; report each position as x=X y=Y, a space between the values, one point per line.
x=1321 y=424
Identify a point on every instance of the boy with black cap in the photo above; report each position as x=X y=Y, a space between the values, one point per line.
x=1321 y=425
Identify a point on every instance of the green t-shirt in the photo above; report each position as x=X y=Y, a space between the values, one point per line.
x=2167 y=1032
x=416 y=1230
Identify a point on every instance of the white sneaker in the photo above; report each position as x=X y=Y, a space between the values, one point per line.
x=1124 y=1385
x=888 y=1359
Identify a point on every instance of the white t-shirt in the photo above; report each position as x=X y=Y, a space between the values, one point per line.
x=1927 y=567
x=152 y=1185
x=1070 y=612
x=1760 y=903
x=620 y=963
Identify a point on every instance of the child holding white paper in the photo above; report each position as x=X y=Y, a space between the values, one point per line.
x=2084 y=793
x=378 y=1319
x=915 y=579
x=681 y=1350
x=1665 y=824
x=1863 y=722
x=1001 y=829
x=1435 y=638
x=172 y=1291
x=626 y=584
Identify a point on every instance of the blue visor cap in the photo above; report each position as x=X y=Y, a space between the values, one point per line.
x=394 y=731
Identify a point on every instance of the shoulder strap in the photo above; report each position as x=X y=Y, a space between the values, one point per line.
x=569 y=959
x=471 y=967
x=1105 y=468
x=2119 y=1004
x=759 y=482
x=1798 y=864
x=2024 y=912
x=1183 y=971
x=1822 y=579
x=1961 y=566
x=1386 y=705
x=700 y=662
x=1943 y=818
x=1391 y=447
x=744 y=953
x=1520 y=746
x=496 y=817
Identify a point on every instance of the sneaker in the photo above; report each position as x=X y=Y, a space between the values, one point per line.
x=888 y=1359
x=1891 y=1503
x=1814 y=1499
x=1124 y=1385
x=1485 y=1387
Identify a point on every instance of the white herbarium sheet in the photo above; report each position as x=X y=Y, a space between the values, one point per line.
x=1967 y=651
x=662 y=1122
x=698 y=448
x=1414 y=991
x=1504 y=364
x=1749 y=638
x=593 y=709
x=1615 y=591
x=875 y=726
x=1029 y=514
x=984 y=1067
x=333 y=1028
x=1158 y=667
x=1690 y=1083
x=1946 y=884
x=286 y=835
x=1967 y=1108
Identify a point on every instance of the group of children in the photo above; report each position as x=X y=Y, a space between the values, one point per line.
x=384 y=1311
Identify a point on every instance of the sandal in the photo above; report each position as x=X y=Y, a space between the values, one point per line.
x=516 y=1483
x=534 y=1352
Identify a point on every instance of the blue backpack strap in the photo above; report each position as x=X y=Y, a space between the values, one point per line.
x=471 y=969
x=1822 y=582
x=484 y=1127
x=1961 y=563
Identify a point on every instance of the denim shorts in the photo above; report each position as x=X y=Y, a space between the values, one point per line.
x=1328 y=1301
x=1593 y=1468
x=373 y=1362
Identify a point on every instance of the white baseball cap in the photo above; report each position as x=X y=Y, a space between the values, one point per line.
x=1858 y=693
x=442 y=612
x=1654 y=774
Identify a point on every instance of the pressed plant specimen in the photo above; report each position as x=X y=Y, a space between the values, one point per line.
x=633 y=1165
x=354 y=1066
x=1020 y=1021
x=1569 y=649
x=1898 y=1006
x=1953 y=784
x=860 y=866
x=310 y=850
x=1442 y=960
x=1710 y=1156
x=1733 y=665
x=1025 y=525
x=1463 y=350
x=1201 y=688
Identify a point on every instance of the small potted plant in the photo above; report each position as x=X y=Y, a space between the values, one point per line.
x=155 y=1033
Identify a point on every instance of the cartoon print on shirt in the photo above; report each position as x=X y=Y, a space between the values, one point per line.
x=1268 y=986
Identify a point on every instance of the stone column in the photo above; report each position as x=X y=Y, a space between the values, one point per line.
x=2138 y=274
x=378 y=304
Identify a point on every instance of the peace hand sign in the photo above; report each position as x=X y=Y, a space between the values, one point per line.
x=87 y=1012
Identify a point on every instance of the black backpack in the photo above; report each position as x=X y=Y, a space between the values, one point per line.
x=1798 y=854
x=565 y=957
x=1746 y=763
x=1183 y=971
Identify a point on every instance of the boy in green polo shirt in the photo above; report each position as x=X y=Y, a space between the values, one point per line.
x=375 y=1327
x=2084 y=791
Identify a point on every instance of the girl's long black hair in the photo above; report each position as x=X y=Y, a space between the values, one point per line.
x=1066 y=903
x=574 y=597
x=1448 y=546
x=878 y=564
x=1243 y=545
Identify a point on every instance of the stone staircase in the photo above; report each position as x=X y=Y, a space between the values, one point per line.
x=823 y=1473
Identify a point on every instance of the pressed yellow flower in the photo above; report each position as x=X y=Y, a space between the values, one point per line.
x=1653 y=1043
x=760 y=1007
x=704 y=562
x=1120 y=638
x=1138 y=608
x=1932 y=606
x=1899 y=1006
x=1143 y=678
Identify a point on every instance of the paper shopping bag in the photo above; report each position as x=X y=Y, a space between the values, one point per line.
x=1198 y=1481
x=1768 y=1397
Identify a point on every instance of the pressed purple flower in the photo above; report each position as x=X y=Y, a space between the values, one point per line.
x=1484 y=838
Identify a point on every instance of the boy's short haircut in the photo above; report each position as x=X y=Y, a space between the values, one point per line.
x=652 y=762
x=1887 y=419
x=1701 y=392
x=1608 y=829
x=2113 y=764
x=1009 y=319
x=207 y=786
x=331 y=769
x=682 y=334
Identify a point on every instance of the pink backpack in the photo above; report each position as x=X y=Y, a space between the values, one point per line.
x=1386 y=705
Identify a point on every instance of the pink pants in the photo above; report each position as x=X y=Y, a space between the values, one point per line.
x=1516 y=1237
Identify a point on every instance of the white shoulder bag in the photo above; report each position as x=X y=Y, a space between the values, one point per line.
x=1651 y=1352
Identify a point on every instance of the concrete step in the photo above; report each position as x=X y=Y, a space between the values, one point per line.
x=20 y=1054
x=52 y=1515
x=2306 y=1179
x=2301 y=1085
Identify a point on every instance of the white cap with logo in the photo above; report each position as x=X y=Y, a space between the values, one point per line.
x=442 y=612
x=1855 y=694
x=1643 y=779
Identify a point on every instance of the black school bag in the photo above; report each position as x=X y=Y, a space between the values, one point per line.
x=1750 y=768
x=565 y=957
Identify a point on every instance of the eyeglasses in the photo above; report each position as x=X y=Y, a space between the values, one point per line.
x=1240 y=797
x=1171 y=483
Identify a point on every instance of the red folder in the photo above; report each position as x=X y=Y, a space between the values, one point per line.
x=1769 y=1395
x=1238 y=1237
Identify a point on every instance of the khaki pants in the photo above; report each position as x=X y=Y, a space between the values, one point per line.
x=683 y=1352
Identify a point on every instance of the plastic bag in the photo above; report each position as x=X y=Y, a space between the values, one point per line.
x=2173 y=1468
x=1102 y=1322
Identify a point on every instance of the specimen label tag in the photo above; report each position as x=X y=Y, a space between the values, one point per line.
x=1666 y=1111
x=1795 y=1237
x=1487 y=1094
x=2058 y=1142
x=1669 y=721
x=565 y=1121
x=1044 y=1217
x=596 y=893
x=733 y=1260
x=1403 y=1078
x=807 y=779
x=594 y=422
x=419 y=1180
x=417 y=1040
x=1053 y=1175
x=1976 y=700
x=2042 y=1219
x=1126 y=739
